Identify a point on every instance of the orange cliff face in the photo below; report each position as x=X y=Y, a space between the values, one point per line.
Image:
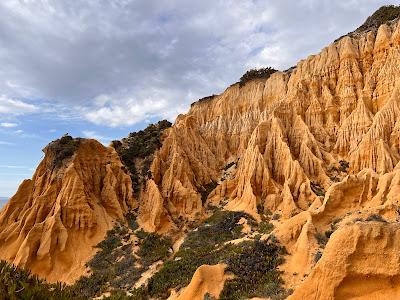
x=283 y=133
x=52 y=223
x=284 y=144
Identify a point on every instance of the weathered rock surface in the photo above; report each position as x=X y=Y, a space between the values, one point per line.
x=359 y=262
x=52 y=223
x=290 y=138
x=206 y=280
x=288 y=131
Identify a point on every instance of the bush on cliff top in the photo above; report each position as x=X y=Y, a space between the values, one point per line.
x=383 y=15
x=62 y=149
x=252 y=74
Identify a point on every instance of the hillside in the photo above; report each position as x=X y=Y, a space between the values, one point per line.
x=283 y=186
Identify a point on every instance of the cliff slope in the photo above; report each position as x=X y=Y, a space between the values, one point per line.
x=52 y=223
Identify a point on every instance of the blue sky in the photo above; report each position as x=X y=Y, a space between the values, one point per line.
x=102 y=69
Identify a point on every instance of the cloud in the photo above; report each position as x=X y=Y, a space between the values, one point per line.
x=94 y=135
x=15 y=107
x=117 y=63
x=8 y=125
x=13 y=167
x=6 y=143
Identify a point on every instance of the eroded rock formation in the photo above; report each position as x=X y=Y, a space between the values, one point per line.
x=52 y=223
x=317 y=146
x=287 y=141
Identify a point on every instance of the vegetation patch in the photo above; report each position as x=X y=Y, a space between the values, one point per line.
x=204 y=99
x=16 y=284
x=317 y=256
x=263 y=73
x=375 y=218
x=333 y=228
x=265 y=227
x=322 y=239
x=254 y=265
x=227 y=166
x=202 y=246
x=317 y=189
x=344 y=166
x=206 y=190
x=114 y=267
x=207 y=245
x=383 y=15
x=153 y=247
x=62 y=149
x=276 y=216
x=136 y=151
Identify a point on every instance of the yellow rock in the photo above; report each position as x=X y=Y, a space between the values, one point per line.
x=206 y=279
x=52 y=223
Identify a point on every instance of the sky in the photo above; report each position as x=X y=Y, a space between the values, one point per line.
x=102 y=69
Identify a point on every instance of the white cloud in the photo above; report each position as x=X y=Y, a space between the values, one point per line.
x=15 y=107
x=14 y=167
x=6 y=143
x=128 y=112
x=94 y=135
x=8 y=125
x=117 y=63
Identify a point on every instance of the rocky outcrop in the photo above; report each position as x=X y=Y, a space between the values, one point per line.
x=360 y=262
x=314 y=145
x=53 y=221
x=207 y=280
x=287 y=131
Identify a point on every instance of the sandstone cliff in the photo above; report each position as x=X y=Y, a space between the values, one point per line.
x=316 y=146
x=52 y=223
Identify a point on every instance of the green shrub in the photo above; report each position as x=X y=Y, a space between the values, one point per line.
x=383 y=15
x=255 y=270
x=206 y=245
x=321 y=239
x=140 y=145
x=16 y=284
x=113 y=268
x=317 y=189
x=344 y=166
x=131 y=220
x=276 y=216
x=265 y=227
x=252 y=74
x=204 y=99
x=202 y=246
x=62 y=149
x=376 y=218
x=206 y=190
x=153 y=247
x=317 y=256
